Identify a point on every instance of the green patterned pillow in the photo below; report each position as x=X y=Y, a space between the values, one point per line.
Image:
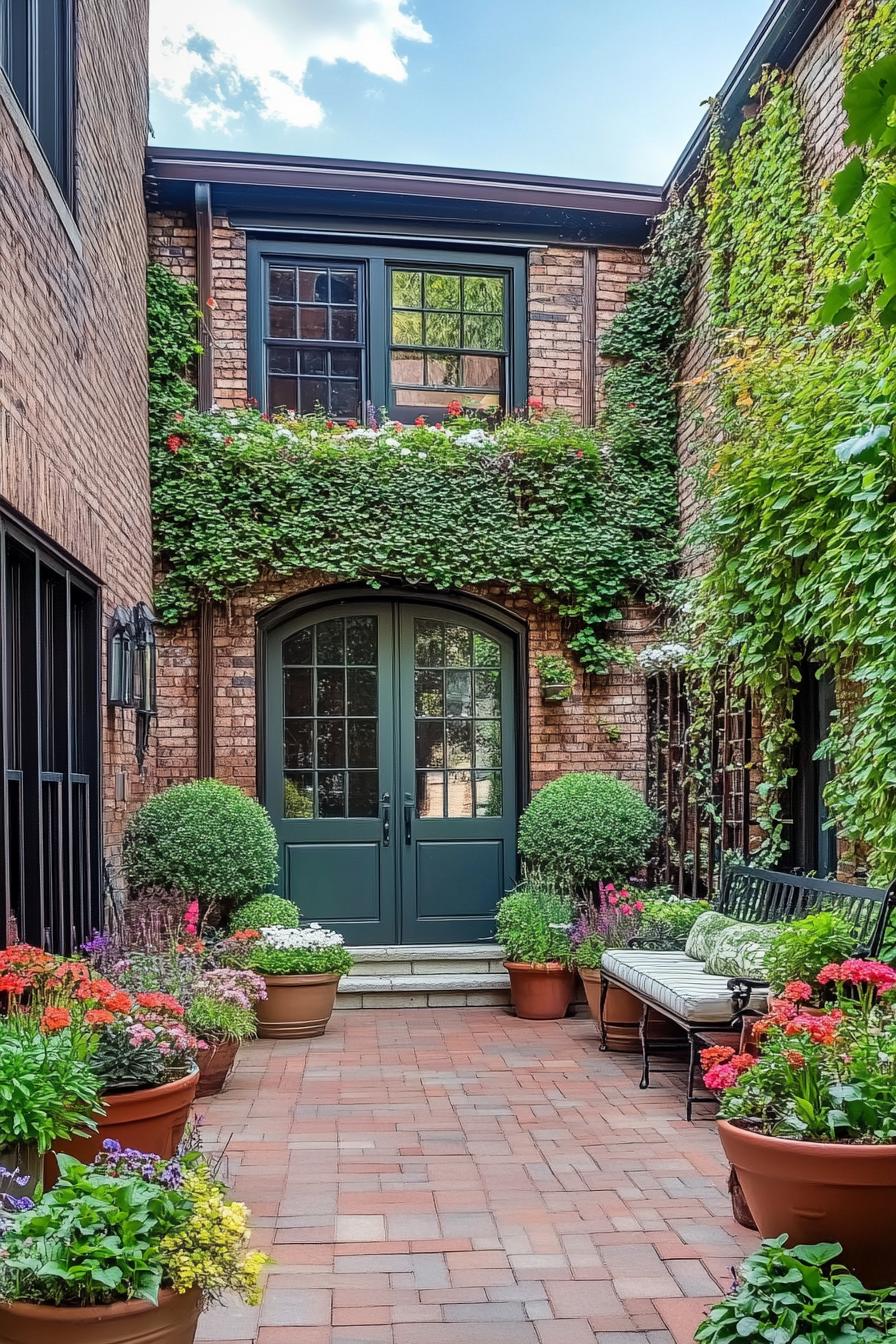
x=703 y=929
x=740 y=950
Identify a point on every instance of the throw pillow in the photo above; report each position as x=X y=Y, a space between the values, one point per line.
x=740 y=950
x=704 y=927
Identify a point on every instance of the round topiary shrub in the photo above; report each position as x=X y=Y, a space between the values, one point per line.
x=266 y=912
x=206 y=841
x=586 y=828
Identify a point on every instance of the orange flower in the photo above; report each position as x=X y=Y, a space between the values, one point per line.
x=98 y=1017
x=54 y=1019
x=118 y=1002
x=94 y=989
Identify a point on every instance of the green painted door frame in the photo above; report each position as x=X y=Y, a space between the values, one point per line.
x=395 y=776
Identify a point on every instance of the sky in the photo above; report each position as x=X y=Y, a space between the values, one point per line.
x=584 y=88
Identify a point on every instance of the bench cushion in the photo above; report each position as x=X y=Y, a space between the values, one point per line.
x=674 y=981
x=704 y=928
x=740 y=949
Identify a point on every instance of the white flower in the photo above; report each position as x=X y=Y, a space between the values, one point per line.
x=475 y=438
x=405 y=452
x=391 y=443
x=311 y=938
x=421 y=454
x=661 y=657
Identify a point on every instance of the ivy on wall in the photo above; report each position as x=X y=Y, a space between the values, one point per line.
x=800 y=478
x=579 y=519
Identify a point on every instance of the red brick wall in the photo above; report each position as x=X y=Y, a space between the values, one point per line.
x=603 y=725
x=73 y=453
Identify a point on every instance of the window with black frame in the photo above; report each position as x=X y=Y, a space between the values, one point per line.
x=36 y=56
x=314 y=339
x=449 y=340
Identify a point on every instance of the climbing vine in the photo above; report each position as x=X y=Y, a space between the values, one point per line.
x=800 y=476
x=171 y=319
x=580 y=519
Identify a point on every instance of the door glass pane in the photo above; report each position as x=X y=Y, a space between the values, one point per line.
x=446 y=732
x=430 y=793
x=330 y=730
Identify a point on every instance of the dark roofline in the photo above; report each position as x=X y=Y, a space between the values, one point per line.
x=784 y=32
x=398 y=179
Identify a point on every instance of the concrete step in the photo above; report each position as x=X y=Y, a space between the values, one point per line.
x=436 y=976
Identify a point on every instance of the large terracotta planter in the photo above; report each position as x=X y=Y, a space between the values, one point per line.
x=151 y=1120
x=297 y=1006
x=842 y=1192
x=173 y=1321
x=540 y=991
x=215 y=1064
x=623 y=1012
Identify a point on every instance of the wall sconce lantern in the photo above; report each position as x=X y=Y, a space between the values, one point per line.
x=120 y=660
x=144 y=681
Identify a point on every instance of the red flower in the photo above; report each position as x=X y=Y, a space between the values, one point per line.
x=821 y=1030
x=10 y=983
x=535 y=404
x=579 y=453
x=454 y=409
x=797 y=991
x=420 y=421
x=715 y=1054
x=118 y=1002
x=211 y=301
x=99 y=1017
x=437 y=425
x=242 y=935
x=228 y=440
x=178 y=415
x=54 y=1019
x=858 y=971
x=161 y=1003
x=795 y=1058
x=351 y=424
x=174 y=443
x=331 y=424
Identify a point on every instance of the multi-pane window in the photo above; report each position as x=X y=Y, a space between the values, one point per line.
x=36 y=56
x=449 y=339
x=330 y=724
x=314 y=339
x=457 y=728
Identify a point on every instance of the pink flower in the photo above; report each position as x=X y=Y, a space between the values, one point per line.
x=797 y=991
x=719 y=1077
x=858 y=971
x=639 y=906
x=613 y=898
x=627 y=910
x=191 y=919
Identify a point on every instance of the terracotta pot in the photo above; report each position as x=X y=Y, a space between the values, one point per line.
x=740 y=1209
x=215 y=1064
x=624 y=1016
x=540 y=991
x=297 y=1006
x=24 y=1159
x=151 y=1119
x=173 y=1321
x=842 y=1192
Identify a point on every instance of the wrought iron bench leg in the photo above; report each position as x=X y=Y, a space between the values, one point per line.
x=645 y=1051
x=604 y=988
x=692 y=1066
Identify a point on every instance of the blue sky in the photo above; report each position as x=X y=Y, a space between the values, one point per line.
x=586 y=88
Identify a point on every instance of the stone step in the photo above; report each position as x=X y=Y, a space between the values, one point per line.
x=435 y=976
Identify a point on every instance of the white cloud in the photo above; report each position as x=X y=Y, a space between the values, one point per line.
x=216 y=56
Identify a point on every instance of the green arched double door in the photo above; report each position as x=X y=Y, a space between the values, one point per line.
x=391 y=770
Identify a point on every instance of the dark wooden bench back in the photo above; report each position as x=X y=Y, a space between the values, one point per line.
x=761 y=896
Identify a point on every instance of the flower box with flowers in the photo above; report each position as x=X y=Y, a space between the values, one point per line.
x=127 y=1248
x=222 y=1011
x=301 y=969
x=137 y=1047
x=809 y=1124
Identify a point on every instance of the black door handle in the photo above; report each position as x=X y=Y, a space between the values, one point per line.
x=408 y=817
x=387 y=818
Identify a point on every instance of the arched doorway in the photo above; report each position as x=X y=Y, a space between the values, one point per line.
x=391 y=763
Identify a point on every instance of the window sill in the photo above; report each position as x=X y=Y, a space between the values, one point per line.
x=10 y=102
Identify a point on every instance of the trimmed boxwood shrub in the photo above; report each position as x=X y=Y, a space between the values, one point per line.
x=532 y=923
x=266 y=912
x=204 y=841
x=587 y=827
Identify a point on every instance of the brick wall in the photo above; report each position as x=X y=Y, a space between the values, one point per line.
x=603 y=725
x=73 y=456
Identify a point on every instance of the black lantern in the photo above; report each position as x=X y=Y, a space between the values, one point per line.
x=120 y=659
x=144 y=700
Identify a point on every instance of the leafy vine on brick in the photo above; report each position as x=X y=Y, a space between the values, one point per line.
x=579 y=519
x=800 y=472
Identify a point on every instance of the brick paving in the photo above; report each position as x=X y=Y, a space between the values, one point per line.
x=417 y=1175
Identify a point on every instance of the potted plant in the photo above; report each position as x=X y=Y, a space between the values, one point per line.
x=204 y=841
x=48 y=1092
x=803 y=947
x=533 y=928
x=556 y=676
x=301 y=969
x=810 y=1125
x=139 y=1049
x=266 y=912
x=126 y=1249
x=221 y=1011
x=798 y=1294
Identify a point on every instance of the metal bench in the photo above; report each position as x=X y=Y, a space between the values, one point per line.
x=753 y=896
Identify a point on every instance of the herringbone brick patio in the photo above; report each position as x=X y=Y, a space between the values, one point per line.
x=421 y=1176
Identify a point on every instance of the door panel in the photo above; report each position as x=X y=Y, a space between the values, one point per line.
x=330 y=761
x=391 y=769
x=458 y=773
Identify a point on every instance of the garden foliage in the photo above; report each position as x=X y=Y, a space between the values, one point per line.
x=533 y=923
x=586 y=828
